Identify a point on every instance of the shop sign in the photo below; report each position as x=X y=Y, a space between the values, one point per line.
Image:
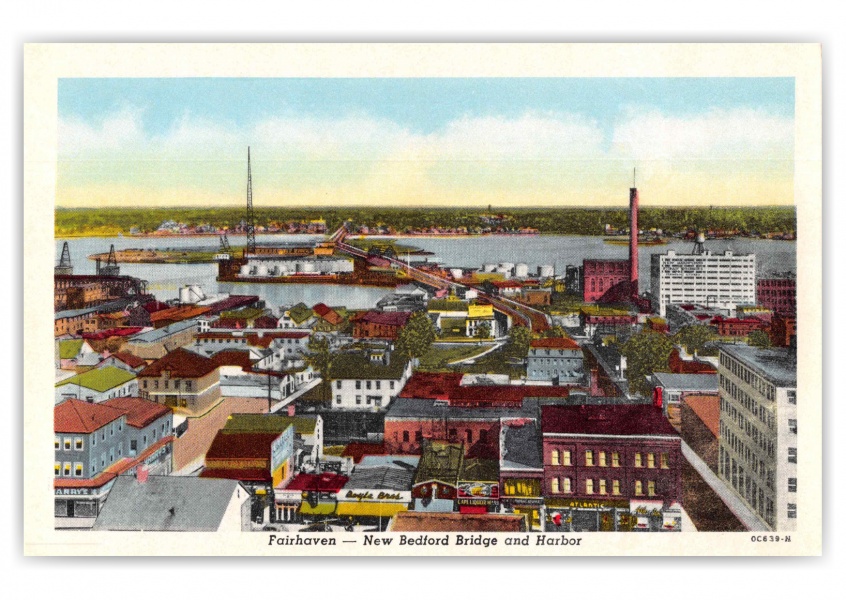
x=73 y=492
x=353 y=495
x=579 y=503
x=288 y=496
x=478 y=489
x=476 y=501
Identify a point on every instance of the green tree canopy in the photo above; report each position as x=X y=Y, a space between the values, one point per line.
x=694 y=337
x=483 y=332
x=319 y=357
x=759 y=338
x=646 y=353
x=519 y=339
x=415 y=339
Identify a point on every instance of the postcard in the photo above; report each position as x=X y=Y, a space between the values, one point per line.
x=423 y=299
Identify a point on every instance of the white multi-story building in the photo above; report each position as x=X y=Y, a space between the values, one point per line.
x=713 y=280
x=758 y=431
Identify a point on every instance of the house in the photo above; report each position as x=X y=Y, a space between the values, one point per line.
x=557 y=360
x=182 y=379
x=435 y=483
x=155 y=503
x=298 y=316
x=327 y=318
x=308 y=432
x=94 y=443
x=98 y=385
x=360 y=382
x=71 y=351
x=125 y=361
x=75 y=321
x=379 y=325
x=457 y=318
x=378 y=489
x=154 y=344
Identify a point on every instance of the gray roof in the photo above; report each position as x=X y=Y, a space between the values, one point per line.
x=156 y=335
x=403 y=408
x=69 y=314
x=776 y=365
x=521 y=447
x=166 y=503
x=396 y=475
x=697 y=382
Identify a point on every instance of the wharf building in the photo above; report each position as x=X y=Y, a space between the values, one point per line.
x=611 y=468
x=94 y=443
x=758 y=431
x=713 y=280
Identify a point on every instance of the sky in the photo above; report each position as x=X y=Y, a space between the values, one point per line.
x=425 y=141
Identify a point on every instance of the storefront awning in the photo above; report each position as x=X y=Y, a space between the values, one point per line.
x=370 y=509
x=320 y=509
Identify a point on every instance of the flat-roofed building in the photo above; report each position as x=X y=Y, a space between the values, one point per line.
x=758 y=431
x=713 y=280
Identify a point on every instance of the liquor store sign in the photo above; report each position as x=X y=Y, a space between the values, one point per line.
x=478 y=489
x=358 y=495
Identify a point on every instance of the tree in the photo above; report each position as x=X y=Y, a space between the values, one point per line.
x=556 y=332
x=319 y=357
x=415 y=339
x=646 y=353
x=759 y=338
x=483 y=332
x=694 y=337
x=519 y=339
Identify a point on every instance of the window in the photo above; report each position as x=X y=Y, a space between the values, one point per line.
x=638 y=488
x=405 y=436
x=615 y=459
x=555 y=457
x=791 y=396
x=77 y=469
x=392 y=384
x=378 y=385
x=568 y=485
x=650 y=488
x=338 y=385
x=791 y=511
x=791 y=425
x=66 y=469
x=615 y=487
x=57 y=469
x=418 y=436
x=602 y=459
x=187 y=386
x=602 y=489
x=791 y=455
x=57 y=443
x=791 y=484
x=67 y=444
x=369 y=384
x=145 y=384
x=93 y=439
x=588 y=486
x=358 y=399
x=553 y=485
x=468 y=434
x=589 y=458
x=338 y=399
x=665 y=460
x=358 y=385
x=566 y=458
x=638 y=459
x=650 y=460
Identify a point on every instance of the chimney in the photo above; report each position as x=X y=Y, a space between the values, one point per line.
x=595 y=390
x=633 y=231
x=292 y=409
x=141 y=473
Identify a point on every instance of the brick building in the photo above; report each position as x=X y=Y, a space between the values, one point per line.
x=779 y=295
x=379 y=325
x=605 y=280
x=182 y=379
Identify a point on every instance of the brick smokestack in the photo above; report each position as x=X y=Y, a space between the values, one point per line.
x=633 y=231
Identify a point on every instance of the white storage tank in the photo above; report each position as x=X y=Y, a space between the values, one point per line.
x=489 y=267
x=507 y=265
x=456 y=273
x=305 y=267
x=521 y=270
x=546 y=271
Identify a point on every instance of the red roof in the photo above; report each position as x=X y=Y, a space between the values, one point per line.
x=266 y=322
x=180 y=363
x=707 y=408
x=447 y=386
x=179 y=313
x=507 y=284
x=114 y=332
x=139 y=412
x=238 y=474
x=627 y=420
x=231 y=303
x=234 y=358
x=324 y=482
x=358 y=450
x=77 y=416
x=129 y=359
x=327 y=314
x=155 y=306
x=561 y=343
x=243 y=444
x=230 y=323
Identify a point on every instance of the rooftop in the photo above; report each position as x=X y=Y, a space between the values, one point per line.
x=180 y=363
x=694 y=382
x=78 y=416
x=165 y=503
x=396 y=474
x=139 y=412
x=478 y=469
x=157 y=335
x=777 y=365
x=520 y=446
x=707 y=408
x=447 y=386
x=236 y=358
x=557 y=343
x=69 y=348
x=355 y=365
x=323 y=482
x=241 y=445
x=626 y=420
x=129 y=359
x=258 y=423
x=440 y=461
x=100 y=380
x=396 y=318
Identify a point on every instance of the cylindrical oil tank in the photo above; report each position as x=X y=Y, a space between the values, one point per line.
x=546 y=271
x=456 y=273
x=521 y=270
x=488 y=267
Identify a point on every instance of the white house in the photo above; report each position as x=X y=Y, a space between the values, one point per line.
x=367 y=383
x=98 y=385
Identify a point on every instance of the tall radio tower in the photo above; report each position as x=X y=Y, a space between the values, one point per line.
x=251 y=217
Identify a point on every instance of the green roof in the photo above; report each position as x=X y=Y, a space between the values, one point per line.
x=69 y=348
x=603 y=311
x=450 y=324
x=100 y=380
x=300 y=313
x=441 y=461
x=358 y=366
x=447 y=304
x=254 y=423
